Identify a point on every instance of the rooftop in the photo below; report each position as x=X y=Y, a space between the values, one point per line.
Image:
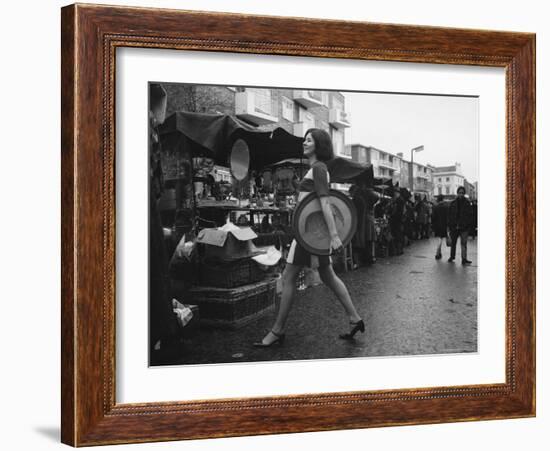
x=401 y=157
x=445 y=169
x=367 y=147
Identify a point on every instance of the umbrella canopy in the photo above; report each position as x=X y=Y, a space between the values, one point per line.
x=213 y=135
x=292 y=162
x=344 y=170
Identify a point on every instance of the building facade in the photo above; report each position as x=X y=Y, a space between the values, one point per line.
x=387 y=165
x=422 y=176
x=295 y=110
x=471 y=189
x=447 y=179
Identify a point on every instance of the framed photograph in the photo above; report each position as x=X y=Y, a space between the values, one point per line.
x=267 y=230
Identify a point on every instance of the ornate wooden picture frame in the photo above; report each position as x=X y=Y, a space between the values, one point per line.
x=90 y=37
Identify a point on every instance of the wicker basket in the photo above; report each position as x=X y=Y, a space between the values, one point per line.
x=234 y=307
x=230 y=275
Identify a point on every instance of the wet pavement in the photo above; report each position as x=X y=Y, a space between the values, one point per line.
x=412 y=304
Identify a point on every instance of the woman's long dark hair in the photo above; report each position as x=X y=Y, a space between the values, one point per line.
x=323 y=144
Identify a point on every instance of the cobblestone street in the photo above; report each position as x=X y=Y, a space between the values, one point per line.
x=412 y=304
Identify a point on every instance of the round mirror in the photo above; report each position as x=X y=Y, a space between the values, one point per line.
x=240 y=159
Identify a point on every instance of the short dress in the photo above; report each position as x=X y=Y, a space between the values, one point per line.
x=439 y=220
x=316 y=179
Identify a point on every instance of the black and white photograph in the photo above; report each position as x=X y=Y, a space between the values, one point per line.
x=294 y=224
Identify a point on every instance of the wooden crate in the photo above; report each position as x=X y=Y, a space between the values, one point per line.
x=229 y=274
x=232 y=308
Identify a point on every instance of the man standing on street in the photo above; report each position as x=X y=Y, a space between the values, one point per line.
x=460 y=221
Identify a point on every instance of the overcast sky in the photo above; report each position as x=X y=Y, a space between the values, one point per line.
x=447 y=126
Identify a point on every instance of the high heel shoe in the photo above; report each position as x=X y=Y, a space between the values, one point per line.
x=279 y=339
x=359 y=326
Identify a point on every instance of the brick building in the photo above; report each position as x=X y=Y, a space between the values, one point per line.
x=295 y=110
x=393 y=166
x=422 y=178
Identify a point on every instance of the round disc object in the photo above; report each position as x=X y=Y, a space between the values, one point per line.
x=309 y=225
x=240 y=159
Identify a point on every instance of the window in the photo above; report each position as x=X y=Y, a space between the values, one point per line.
x=439 y=179
x=337 y=103
x=316 y=95
x=338 y=141
x=307 y=118
x=287 y=109
x=439 y=190
x=447 y=190
x=447 y=179
x=262 y=100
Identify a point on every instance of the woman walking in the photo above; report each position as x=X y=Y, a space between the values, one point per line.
x=439 y=224
x=318 y=149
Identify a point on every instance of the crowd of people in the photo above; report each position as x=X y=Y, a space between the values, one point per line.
x=386 y=224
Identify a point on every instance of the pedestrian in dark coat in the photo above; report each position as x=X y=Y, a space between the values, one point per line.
x=439 y=223
x=371 y=198
x=460 y=220
x=358 y=241
x=163 y=339
x=409 y=221
x=422 y=218
x=397 y=209
x=474 y=224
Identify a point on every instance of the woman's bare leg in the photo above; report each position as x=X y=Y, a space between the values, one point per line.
x=290 y=274
x=438 y=249
x=330 y=279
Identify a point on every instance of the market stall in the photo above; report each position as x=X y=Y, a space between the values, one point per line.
x=193 y=143
x=265 y=168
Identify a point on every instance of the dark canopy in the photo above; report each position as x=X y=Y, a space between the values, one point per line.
x=344 y=170
x=214 y=134
x=292 y=162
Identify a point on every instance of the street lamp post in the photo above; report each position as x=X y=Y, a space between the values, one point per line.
x=411 y=175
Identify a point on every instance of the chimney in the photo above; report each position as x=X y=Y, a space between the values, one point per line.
x=458 y=168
